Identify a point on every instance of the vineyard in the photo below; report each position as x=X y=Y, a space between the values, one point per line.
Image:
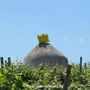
x=16 y=77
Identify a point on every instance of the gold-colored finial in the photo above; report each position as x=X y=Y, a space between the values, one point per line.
x=43 y=38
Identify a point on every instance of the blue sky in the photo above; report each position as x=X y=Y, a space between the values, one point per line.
x=67 y=22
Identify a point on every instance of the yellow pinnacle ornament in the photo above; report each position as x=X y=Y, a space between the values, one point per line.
x=43 y=38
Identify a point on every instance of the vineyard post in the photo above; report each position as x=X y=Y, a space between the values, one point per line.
x=5 y=63
x=9 y=61
x=2 y=63
x=85 y=65
x=80 y=64
x=67 y=77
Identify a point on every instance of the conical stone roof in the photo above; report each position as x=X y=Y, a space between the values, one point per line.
x=46 y=54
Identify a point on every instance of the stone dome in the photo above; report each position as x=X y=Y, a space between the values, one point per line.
x=46 y=54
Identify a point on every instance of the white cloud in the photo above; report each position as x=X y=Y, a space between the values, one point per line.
x=67 y=39
x=82 y=40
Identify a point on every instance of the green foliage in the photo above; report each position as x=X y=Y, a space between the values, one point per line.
x=17 y=77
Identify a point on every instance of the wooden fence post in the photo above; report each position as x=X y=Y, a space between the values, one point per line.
x=2 y=62
x=67 y=77
x=9 y=61
x=80 y=64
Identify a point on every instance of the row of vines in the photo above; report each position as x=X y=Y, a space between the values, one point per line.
x=17 y=77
